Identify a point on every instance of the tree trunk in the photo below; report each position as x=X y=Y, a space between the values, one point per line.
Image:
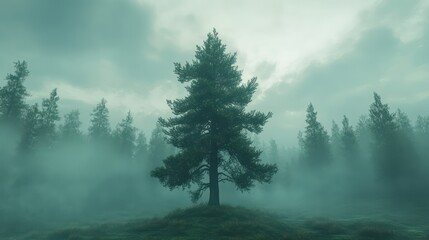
x=214 y=180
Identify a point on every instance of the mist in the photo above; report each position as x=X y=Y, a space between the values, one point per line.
x=313 y=123
x=53 y=177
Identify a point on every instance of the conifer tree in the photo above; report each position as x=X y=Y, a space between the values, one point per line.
x=100 y=126
x=210 y=126
x=315 y=141
x=348 y=141
x=49 y=115
x=70 y=129
x=12 y=96
x=125 y=136
x=141 y=153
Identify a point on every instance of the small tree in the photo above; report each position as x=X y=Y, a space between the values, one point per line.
x=70 y=129
x=49 y=115
x=315 y=141
x=348 y=142
x=30 y=134
x=210 y=126
x=158 y=148
x=387 y=146
x=100 y=126
x=12 y=96
x=335 y=138
x=141 y=153
x=125 y=136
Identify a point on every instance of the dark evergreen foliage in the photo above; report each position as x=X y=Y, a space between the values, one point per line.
x=125 y=136
x=12 y=96
x=210 y=126
x=49 y=116
x=348 y=142
x=315 y=141
x=100 y=125
x=70 y=129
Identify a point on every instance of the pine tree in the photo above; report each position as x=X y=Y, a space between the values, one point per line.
x=12 y=96
x=422 y=137
x=382 y=123
x=158 y=148
x=125 y=136
x=315 y=141
x=100 y=126
x=385 y=132
x=210 y=126
x=49 y=115
x=141 y=153
x=335 y=138
x=30 y=135
x=273 y=152
x=70 y=129
x=348 y=141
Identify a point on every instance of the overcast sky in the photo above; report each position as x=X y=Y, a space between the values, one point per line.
x=333 y=53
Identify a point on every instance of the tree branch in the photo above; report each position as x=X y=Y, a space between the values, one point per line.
x=226 y=177
x=200 y=169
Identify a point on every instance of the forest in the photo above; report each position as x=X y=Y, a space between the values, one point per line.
x=54 y=173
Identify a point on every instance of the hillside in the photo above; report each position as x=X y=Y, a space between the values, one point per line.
x=228 y=222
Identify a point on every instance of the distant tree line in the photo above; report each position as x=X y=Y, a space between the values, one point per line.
x=39 y=125
x=385 y=151
x=41 y=149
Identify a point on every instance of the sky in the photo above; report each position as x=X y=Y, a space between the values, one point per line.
x=332 y=53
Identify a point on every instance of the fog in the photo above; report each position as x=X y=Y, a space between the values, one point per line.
x=109 y=113
x=75 y=176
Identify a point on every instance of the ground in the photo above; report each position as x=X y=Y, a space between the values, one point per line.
x=227 y=222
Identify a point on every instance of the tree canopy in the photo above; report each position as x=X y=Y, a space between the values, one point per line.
x=211 y=125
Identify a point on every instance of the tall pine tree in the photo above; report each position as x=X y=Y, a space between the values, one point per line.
x=210 y=126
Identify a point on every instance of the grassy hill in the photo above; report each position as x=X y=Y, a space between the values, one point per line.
x=226 y=222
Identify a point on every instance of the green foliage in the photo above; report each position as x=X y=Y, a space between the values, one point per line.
x=141 y=153
x=349 y=145
x=70 y=129
x=40 y=124
x=100 y=126
x=49 y=115
x=315 y=141
x=158 y=148
x=12 y=96
x=394 y=150
x=125 y=136
x=210 y=125
x=30 y=133
x=382 y=123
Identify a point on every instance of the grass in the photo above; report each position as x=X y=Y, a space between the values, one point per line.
x=226 y=222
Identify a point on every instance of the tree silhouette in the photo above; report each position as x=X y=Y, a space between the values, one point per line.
x=100 y=126
x=12 y=96
x=125 y=136
x=348 y=142
x=49 y=115
x=315 y=141
x=210 y=126
x=70 y=129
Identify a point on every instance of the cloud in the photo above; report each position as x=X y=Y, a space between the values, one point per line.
x=91 y=44
x=301 y=52
x=378 y=59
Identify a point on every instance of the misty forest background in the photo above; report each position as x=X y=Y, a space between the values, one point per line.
x=53 y=170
